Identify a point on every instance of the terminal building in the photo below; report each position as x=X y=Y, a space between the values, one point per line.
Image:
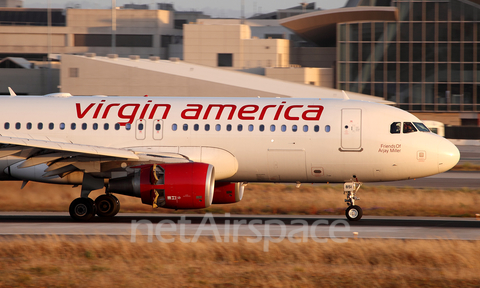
x=427 y=60
x=422 y=55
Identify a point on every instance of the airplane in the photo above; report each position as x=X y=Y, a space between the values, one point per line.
x=190 y=153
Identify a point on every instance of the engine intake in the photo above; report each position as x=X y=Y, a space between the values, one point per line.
x=226 y=192
x=175 y=186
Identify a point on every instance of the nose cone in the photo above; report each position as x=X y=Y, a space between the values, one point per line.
x=448 y=155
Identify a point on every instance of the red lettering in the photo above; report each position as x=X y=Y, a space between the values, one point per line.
x=95 y=115
x=244 y=110
x=316 y=113
x=105 y=113
x=131 y=116
x=154 y=109
x=287 y=112
x=197 y=111
x=279 y=110
x=264 y=110
x=81 y=114
x=144 y=111
x=220 y=111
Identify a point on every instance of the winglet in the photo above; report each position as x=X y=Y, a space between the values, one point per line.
x=345 y=96
x=11 y=92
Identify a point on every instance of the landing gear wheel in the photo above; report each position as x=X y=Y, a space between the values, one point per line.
x=354 y=213
x=107 y=205
x=118 y=204
x=82 y=209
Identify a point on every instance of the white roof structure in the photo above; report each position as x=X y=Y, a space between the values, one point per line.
x=24 y=63
x=132 y=73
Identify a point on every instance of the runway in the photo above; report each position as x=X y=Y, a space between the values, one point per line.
x=167 y=226
x=447 y=180
x=160 y=226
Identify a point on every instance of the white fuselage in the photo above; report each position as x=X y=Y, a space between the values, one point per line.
x=314 y=140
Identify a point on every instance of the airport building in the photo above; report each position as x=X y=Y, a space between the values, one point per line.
x=422 y=55
x=425 y=60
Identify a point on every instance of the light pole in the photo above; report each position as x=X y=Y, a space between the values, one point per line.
x=114 y=25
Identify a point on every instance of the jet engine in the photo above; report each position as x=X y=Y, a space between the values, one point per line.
x=174 y=186
x=226 y=192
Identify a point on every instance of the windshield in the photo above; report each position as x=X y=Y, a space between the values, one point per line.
x=408 y=127
x=421 y=127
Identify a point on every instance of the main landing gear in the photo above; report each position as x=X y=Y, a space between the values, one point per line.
x=84 y=208
x=353 y=212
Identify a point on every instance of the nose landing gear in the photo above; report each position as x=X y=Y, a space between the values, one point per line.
x=353 y=212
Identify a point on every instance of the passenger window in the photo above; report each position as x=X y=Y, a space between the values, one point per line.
x=128 y=126
x=40 y=126
x=207 y=127
x=408 y=127
x=305 y=128
x=7 y=126
x=117 y=126
x=229 y=127
x=327 y=128
x=140 y=126
x=316 y=128
x=29 y=125
x=84 y=126
x=185 y=127
x=250 y=127
x=158 y=126
x=294 y=128
x=283 y=128
x=62 y=126
x=106 y=126
x=240 y=127
x=195 y=127
x=421 y=127
x=272 y=128
x=261 y=128
x=218 y=127
x=174 y=127
x=18 y=125
x=73 y=126
x=395 y=127
x=95 y=126
x=51 y=126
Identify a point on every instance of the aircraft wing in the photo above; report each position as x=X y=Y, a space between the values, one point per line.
x=64 y=158
x=64 y=147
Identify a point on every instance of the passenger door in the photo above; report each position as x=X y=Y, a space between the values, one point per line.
x=351 y=130
x=157 y=129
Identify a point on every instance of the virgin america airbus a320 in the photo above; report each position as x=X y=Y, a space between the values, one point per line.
x=190 y=153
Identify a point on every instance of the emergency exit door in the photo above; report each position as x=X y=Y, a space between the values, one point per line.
x=351 y=129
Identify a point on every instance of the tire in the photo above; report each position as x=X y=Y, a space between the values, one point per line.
x=354 y=213
x=107 y=205
x=117 y=206
x=82 y=209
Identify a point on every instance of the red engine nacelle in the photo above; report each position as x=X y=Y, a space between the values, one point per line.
x=175 y=186
x=226 y=192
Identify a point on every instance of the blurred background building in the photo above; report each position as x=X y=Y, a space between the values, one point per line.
x=422 y=55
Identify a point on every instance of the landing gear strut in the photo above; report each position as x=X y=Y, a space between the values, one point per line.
x=353 y=212
x=84 y=208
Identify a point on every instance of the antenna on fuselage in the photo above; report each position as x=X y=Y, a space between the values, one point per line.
x=12 y=94
x=345 y=96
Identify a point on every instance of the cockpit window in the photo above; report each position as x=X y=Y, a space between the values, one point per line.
x=395 y=127
x=408 y=127
x=421 y=127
